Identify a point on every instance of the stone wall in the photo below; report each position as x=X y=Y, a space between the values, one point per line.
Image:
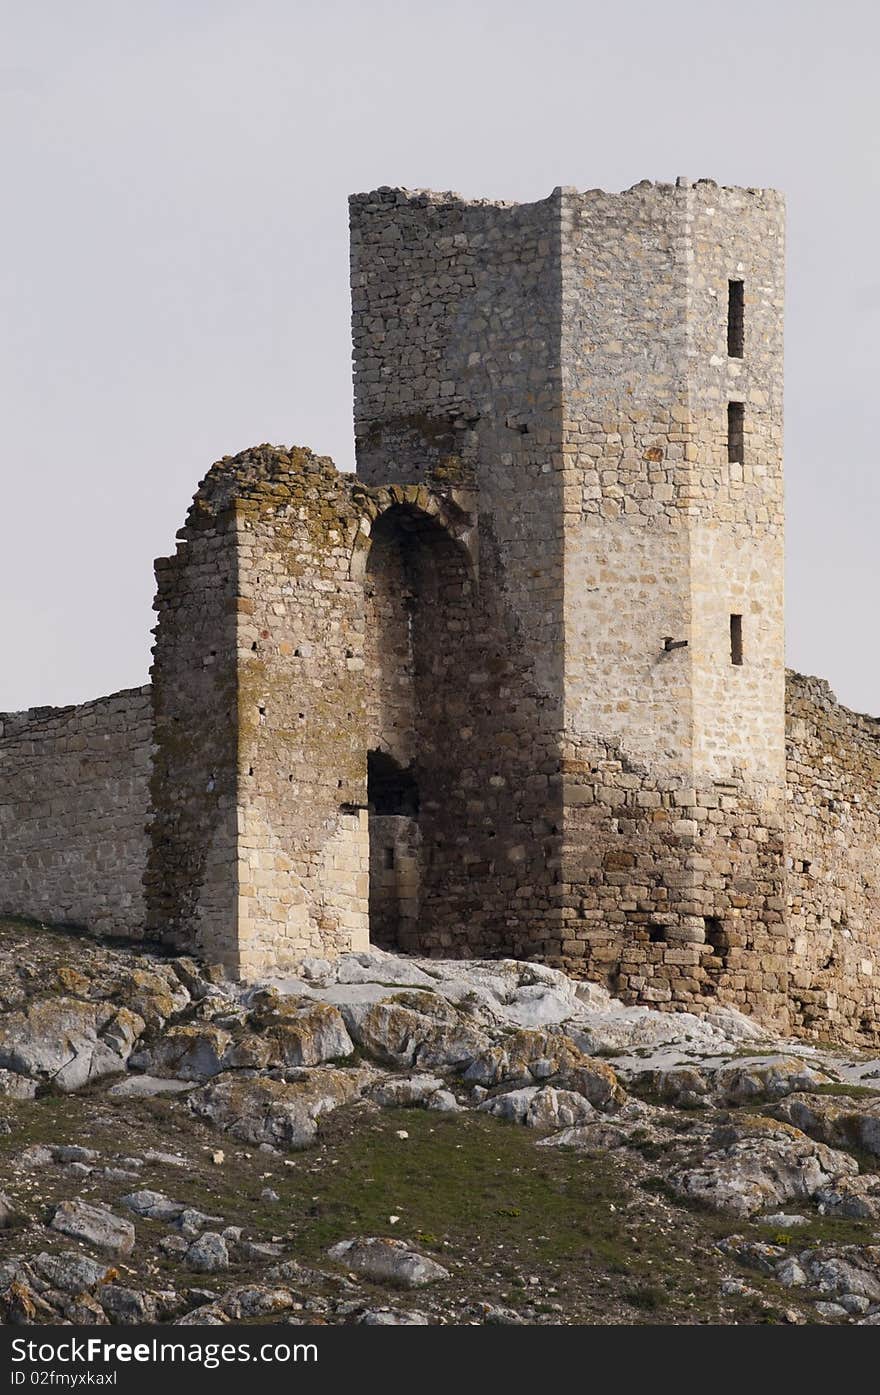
x=673 y=755
x=455 y=319
x=833 y=862
x=567 y=363
x=74 y=804
x=191 y=876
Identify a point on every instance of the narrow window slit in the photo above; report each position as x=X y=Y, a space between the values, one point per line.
x=736 y=323
x=736 y=639
x=735 y=432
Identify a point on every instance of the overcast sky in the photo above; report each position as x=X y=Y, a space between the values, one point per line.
x=175 y=264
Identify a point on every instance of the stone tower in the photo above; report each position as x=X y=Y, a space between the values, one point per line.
x=599 y=378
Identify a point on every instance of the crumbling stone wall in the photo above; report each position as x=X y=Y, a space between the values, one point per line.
x=833 y=865
x=191 y=875
x=74 y=804
x=259 y=839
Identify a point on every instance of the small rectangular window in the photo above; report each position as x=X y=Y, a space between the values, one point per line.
x=389 y=859
x=735 y=432
x=736 y=323
x=736 y=639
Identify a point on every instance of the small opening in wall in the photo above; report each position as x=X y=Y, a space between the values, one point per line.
x=657 y=934
x=736 y=640
x=716 y=936
x=391 y=788
x=735 y=319
x=389 y=859
x=735 y=432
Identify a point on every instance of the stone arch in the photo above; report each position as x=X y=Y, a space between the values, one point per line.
x=419 y=592
x=454 y=517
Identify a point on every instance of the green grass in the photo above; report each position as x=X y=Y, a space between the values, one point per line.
x=474 y=1191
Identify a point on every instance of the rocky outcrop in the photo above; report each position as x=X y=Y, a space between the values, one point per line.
x=700 y=1111
x=388 y=1262
x=68 y=1043
x=754 y=1164
x=283 y=1113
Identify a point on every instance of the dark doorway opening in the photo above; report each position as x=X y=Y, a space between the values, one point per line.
x=391 y=787
x=393 y=803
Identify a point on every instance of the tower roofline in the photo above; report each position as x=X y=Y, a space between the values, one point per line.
x=401 y=195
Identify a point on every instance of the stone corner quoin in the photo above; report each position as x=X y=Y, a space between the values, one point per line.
x=517 y=687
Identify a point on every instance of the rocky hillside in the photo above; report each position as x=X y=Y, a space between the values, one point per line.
x=389 y=1140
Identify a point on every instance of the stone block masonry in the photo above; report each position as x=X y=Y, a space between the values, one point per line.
x=832 y=864
x=517 y=688
x=568 y=362
x=74 y=804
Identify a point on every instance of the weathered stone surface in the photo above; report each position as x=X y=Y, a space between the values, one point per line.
x=388 y=1262
x=405 y=1093
x=208 y=1254
x=743 y=1083
x=127 y=1305
x=190 y=1051
x=753 y=1164
x=851 y=1271
x=263 y=1110
x=857 y=1198
x=206 y=1315
x=191 y=1222
x=524 y=1056
x=256 y=1300
x=540 y=1107
x=16 y=1087
x=152 y=1204
x=20 y=1303
x=301 y=1032
x=414 y=1029
x=393 y=1317
x=836 y=1119
x=144 y=1086
x=96 y=1225
x=95 y=760
x=70 y=1271
x=66 y=1042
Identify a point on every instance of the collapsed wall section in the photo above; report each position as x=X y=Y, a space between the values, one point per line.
x=833 y=837
x=190 y=883
x=258 y=852
x=303 y=857
x=74 y=805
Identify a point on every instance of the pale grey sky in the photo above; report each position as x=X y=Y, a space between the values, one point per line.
x=174 y=276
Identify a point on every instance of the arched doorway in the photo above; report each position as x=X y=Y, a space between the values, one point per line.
x=418 y=596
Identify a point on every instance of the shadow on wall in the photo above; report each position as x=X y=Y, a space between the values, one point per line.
x=418 y=610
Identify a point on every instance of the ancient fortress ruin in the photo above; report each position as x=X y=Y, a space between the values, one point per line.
x=517 y=687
